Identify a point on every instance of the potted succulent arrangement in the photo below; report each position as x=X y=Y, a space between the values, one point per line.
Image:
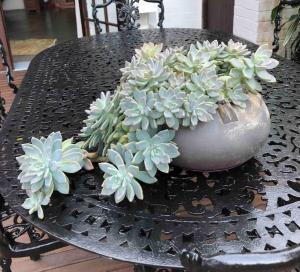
x=183 y=106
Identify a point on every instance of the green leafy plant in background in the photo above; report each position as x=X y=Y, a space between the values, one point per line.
x=130 y=133
x=292 y=35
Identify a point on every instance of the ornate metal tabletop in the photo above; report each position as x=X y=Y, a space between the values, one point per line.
x=246 y=216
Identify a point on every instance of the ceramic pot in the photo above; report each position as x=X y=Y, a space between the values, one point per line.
x=233 y=137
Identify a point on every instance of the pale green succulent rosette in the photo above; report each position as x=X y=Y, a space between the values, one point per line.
x=199 y=108
x=149 y=51
x=193 y=62
x=139 y=110
x=157 y=152
x=170 y=105
x=121 y=175
x=43 y=168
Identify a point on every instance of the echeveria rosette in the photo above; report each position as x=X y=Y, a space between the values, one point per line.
x=208 y=83
x=244 y=69
x=43 y=168
x=170 y=104
x=35 y=202
x=233 y=92
x=169 y=56
x=139 y=110
x=121 y=175
x=192 y=62
x=176 y=81
x=129 y=67
x=148 y=51
x=148 y=76
x=103 y=118
x=155 y=152
x=262 y=62
x=96 y=121
x=234 y=49
x=198 y=108
x=213 y=48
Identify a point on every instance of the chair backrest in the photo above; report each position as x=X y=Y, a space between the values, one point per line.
x=127 y=14
x=2 y=111
x=9 y=81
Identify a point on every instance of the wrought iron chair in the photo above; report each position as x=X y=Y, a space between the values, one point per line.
x=127 y=13
x=9 y=81
x=13 y=226
x=278 y=25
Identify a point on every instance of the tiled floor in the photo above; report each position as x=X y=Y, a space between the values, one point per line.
x=57 y=24
x=67 y=259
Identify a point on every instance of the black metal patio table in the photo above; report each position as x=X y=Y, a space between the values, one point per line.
x=242 y=219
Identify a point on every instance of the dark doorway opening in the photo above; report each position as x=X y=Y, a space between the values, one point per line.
x=218 y=15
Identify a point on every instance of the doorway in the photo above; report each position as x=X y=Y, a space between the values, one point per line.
x=218 y=15
x=35 y=25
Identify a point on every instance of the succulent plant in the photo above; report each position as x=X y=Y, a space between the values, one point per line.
x=176 y=81
x=235 y=49
x=43 y=168
x=127 y=130
x=149 y=51
x=193 y=62
x=198 y=107
x=155 y=152
x=129 y=67
x=234 y=92
x=121 y=176
x=244 y=69
x=169 y=103
x=97 y=120
x=169 y=56
x=262 y=62
x=148 y=75
x=35 y=202
x=208 y=83
x=213 y=48
x=103 y=117
x=139 y=110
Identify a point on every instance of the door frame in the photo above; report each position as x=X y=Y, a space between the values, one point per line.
x=5 y=40
x=227 y=7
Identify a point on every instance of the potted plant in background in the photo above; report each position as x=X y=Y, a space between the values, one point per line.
x=292 y=35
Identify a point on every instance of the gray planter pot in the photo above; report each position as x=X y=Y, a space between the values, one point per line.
x=233 y=137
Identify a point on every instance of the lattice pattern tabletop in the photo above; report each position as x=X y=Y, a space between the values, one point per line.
x=250 y=209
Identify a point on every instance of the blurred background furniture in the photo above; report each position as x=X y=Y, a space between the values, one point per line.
x=64 y=4
x=119 y=15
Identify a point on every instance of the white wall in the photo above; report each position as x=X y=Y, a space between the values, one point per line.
x=252 y=20
x=183 y=13
x=13 y=4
